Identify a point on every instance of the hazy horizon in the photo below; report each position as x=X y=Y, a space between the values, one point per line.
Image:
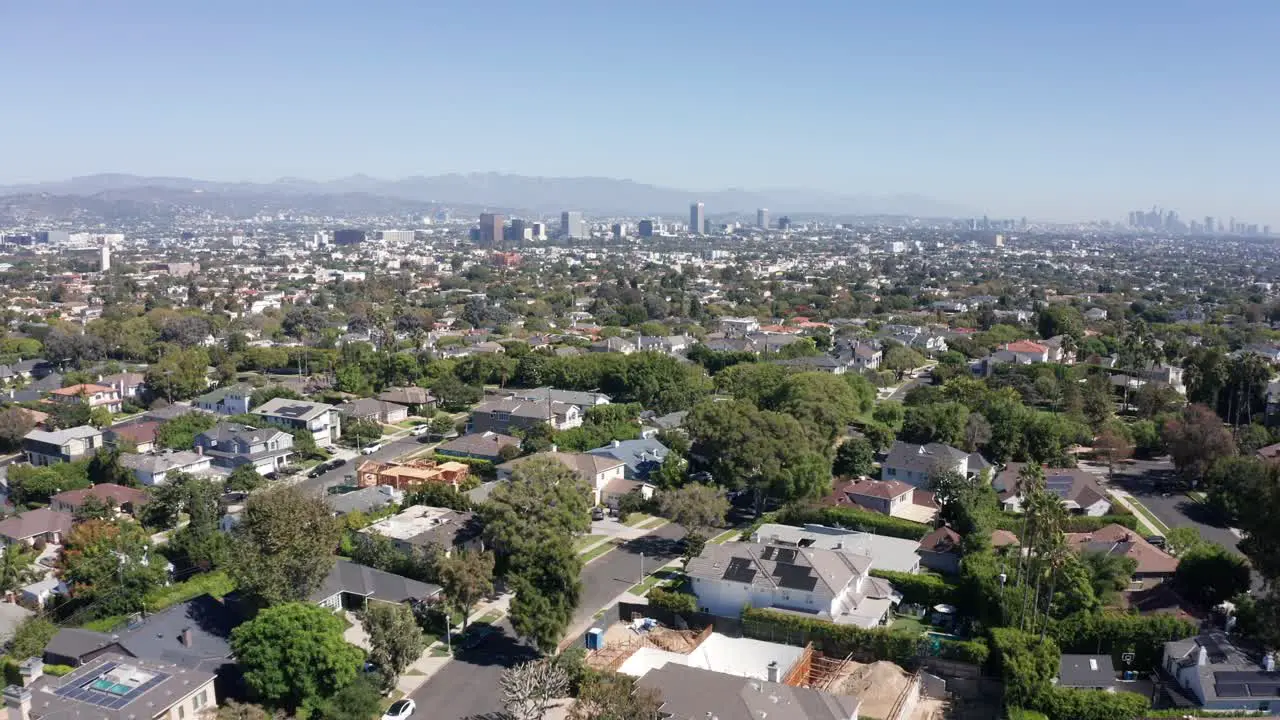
x=1071 y=113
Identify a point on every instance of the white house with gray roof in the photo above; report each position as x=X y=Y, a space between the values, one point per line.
x=1215 y=674
x=229 y=400
x=50 y=448
x=832 y=585
x=913 y=464
x=157 y=469
x=322 y=420
x=231 y=445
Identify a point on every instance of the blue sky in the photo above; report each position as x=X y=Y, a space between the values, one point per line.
x=1052 y=110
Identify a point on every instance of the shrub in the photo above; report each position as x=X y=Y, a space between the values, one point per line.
x=672 y=601
x=1013 y=522
x=1026 y=665
x=1017 y=713
x=1072 y=704
x=1117 y=633
x=920 y=589
x=853 y=519
x=57 y=670
x=902 y=648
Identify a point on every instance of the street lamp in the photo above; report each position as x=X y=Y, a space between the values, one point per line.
x=641 y=567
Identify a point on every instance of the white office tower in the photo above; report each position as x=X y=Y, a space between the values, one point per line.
x=106 y=255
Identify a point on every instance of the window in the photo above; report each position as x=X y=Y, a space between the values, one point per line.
x=201 y=699
x=182 y=712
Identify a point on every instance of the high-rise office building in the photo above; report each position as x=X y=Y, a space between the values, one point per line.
x=619 y=231
x=762 y=218
x=784 y=223
x=347 y=236
x=491 y=229
x=399 y=236
x=519 y=231
x=572 y=225
x=538 y=231
x=697 y=221
x=105 y=262
x=645 y=228
x=1208 y=224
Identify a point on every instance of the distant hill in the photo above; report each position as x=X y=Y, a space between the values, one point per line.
x=497 y=191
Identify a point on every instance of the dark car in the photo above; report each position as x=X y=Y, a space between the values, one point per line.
x=335 y=464
x=316 y=471
x=1157 y=540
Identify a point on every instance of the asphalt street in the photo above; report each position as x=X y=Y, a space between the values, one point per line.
x=1152 y=482
x=467 y=687
x=390 y=451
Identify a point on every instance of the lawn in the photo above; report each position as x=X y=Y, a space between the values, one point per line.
x=652 y=523
x=666 y=577
x=904 y=623
x=411 y=423
x=598 y=551
x=637 y=519
x=582 y=542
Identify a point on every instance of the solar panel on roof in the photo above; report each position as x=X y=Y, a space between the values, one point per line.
x=795 y=577
x=767 y=554
x=740 y=570
x=786 y=556
x=1231 y=690
x=1245 y=676
x=1264 y=689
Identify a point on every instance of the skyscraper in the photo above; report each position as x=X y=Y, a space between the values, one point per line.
x=619 y=231
x=518 y=230
x=1208 y=224
x=491 y=229
x=571 y=225
x=106 y=255
x=762 y=218
x=646 y=228
x=697 y=223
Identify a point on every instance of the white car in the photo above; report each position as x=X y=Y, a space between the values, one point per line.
x=371 y=449
x=420 y=430
x=400 y=710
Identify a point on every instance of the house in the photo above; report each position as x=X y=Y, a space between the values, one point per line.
x=1216 y=675
x=128 y=500
x=815 y=363
x=940 y=550
x=50 y=448
x=95 y=396
x=886 y=553
x=914 y=464
x=195 y=634
x=379 y=411
x=887 y=497
x=866 y=357
x=112 y=687
x=415 y=398
x=1154 y=565
x=322 y=420
x=230 y=400
x=140 y=437
x=403 y=476
x=584 y=400
x=156 y=469
x=12 y=616
x=420 y=527
x=1079 y=490
x=640 y=457
x=34 y=525
x=480 y=446
x=351 y=585
x=605 y=477
x=694 y=693
x=509 y=414
x=231 y=445
x=129 y=386
x=833 y=585
x=738 y=326
x=1095 y=314
x=40 y=592
x=1086 y=672
x=613 y=344
x=365 y=500
x=1022 y=352
x=1168 y=376
x=665 y=344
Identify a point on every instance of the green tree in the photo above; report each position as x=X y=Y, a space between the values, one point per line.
x=18 y=568
x=1058 y=320
x=111 y=565
x=359 y=700
x=32 y=637
x=543 y=499
x=1181 y=540
x=1195 y=441
x=104 y=467
x=694 y=506
x=890 y=413
x=854 y=458
x=901 y=359
x=756 y=383
x=455 y=395
x=294 y=655
x=1209 y=574
x=245 y=478
x=824 y=403
x=395 y=639
x=200 y=545
x=283 y=547
x=179 y=374
x=672 y=473
x=935 y=422
x=358 y=432
x=694 y=544
x=880 y=436
x=31 y=485
x=546 y=581
x=15 y=423
x=1027 y=664
x=180 y=432
x=1110 y=574
x=100 y=417
x=614 y=696
x=466 y=577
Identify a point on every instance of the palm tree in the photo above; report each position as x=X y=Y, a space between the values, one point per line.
x=1030 y=482
x=1057 y=555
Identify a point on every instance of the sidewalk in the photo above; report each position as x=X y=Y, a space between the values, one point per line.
x=612 y=531
x=1140 y=511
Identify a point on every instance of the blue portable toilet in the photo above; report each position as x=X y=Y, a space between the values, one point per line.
x=595 y=639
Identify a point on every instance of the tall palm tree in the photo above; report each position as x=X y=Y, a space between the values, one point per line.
x=1030 y=482
x=1057 y=555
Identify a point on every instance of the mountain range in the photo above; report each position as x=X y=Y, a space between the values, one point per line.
x=497 y=191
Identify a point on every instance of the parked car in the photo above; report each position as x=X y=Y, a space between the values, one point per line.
x=1157 y=540
x=400 y=710
x=371 y=449
x=335 y=464
x=317 y=471
x=420 y=430
x=597 y=513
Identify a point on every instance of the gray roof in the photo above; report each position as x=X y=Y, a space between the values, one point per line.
x=768 y=566
x=159 y=638
x=36 y=522
x=486 y=444
x=293 y=409
x=572 y=397
x=11 y=616
x=356 y=579
x=690 y=693
x=640 y=456
x=923 y=458
x=1086 y=671
x=175 y=460
x=364 y=499
x=886 y=553
x=231 y=432
x=217 y=394
x=365 y=407
x=61 y=437
x=75 y=643
x=1228 y=674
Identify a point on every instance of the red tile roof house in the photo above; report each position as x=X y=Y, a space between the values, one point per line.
x=128 y=500
x=33 y=525
x=1154 y=565
x=887 y=497
x=95 y=396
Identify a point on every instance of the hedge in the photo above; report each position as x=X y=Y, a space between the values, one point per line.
x=920 y=588
x=1017 y=713
x=1118 y=633
x=881 y=643
x=673 y=601
x=1013 y=522
x=854 y=519
x=1075 y=704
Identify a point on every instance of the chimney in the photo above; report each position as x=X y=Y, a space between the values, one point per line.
x=18 y=701
x=773 y=671
x=199 y=449
x=616 y=443
x=1202 y=656
x=186 y=637
x=31 y=670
